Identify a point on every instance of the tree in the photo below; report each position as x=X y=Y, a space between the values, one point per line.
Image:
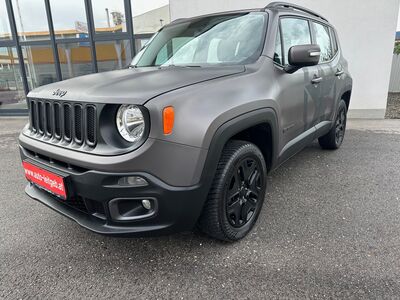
x=397 y=49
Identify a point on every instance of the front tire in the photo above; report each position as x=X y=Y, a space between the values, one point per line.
x=334 y=138
x=237 y=193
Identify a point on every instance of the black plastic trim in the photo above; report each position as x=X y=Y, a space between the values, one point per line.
x=115 y=215
x=233 y=127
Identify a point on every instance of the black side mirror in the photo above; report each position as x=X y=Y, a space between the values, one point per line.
x=303 y=56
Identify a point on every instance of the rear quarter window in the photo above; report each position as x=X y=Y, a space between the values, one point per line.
x=323 y=39
x=335 y=45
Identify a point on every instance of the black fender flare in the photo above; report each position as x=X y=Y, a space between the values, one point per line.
x=232 y=127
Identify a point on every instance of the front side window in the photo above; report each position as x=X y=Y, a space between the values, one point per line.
x=215 y=40
x=322 y=38
x=294 y=32
x=278 y=50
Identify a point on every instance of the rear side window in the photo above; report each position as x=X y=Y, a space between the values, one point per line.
x=334 y=41
x=294 y=32
x=323 y=39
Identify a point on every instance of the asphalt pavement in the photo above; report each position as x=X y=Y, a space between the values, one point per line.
x=330 y=228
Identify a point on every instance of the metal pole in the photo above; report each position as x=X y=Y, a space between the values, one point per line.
x=91 y=32
x=18 y=46
x=129 y=26
x=20 y=21
x=108 y=18
x=53 y=40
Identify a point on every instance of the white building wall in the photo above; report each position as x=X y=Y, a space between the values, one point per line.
x=151 y=21
x=366 y=30
x=394 y=86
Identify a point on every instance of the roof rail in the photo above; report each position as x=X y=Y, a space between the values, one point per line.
x=296 y=7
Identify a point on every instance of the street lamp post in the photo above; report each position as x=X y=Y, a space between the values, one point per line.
x=108 y=18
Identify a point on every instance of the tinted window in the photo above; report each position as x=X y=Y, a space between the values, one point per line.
x=294 y=32
x=31 y=20
x=322 y=38
x=108 y=16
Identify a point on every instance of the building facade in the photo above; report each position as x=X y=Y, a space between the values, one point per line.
x=366 y=30
x=43 y=41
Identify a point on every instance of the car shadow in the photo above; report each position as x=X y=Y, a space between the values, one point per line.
x=148 y=247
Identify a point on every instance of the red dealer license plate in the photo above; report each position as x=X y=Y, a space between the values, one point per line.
x=45 y=179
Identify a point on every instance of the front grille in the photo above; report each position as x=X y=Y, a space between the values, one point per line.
x=39 y=109
x=77 y=202
x=84 y=205
x=67 y=122
x=91 y=124
x=49 y=120
x=57 y=120
x=64 y=121
x=78 y=123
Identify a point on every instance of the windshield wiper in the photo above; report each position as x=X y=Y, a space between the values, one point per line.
x=180 y=66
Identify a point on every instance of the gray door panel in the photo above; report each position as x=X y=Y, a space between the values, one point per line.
x=291 y=104
x=328 y=92
x=312 y=94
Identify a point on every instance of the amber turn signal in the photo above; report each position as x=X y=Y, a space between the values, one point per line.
x=168 y=119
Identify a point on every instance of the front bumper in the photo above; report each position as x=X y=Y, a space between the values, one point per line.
x=90 y=193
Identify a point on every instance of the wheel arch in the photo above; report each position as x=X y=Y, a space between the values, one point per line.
x=261 y=136
x=245 y=127
x=346 y=96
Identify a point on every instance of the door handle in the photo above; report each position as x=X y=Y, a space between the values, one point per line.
x=339 y=73
x=316 y=80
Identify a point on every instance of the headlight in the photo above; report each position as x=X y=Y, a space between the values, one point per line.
x=130 y=123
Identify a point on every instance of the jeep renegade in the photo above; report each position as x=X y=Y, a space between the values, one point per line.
x=189 y=131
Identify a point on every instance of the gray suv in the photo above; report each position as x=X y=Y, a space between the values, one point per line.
x=187 y=134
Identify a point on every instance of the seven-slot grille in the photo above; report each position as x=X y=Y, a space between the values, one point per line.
x=64 y=121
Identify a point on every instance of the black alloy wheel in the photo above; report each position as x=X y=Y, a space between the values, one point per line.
x=335 y=137
x=237 y=193
x=340 y=126
x=243 y=192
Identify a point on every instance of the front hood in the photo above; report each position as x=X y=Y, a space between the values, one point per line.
x=130 y=85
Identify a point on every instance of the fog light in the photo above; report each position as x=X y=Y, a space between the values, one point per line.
x=146 y=204
x=134 y=181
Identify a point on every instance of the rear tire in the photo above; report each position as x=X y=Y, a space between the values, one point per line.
x=334 y=138
x=237 y=193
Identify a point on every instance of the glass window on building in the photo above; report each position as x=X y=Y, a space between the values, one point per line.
x=69 y=18
x=113 y=55
x=31 y=20
x=12 y=94
x=149 y=16
x=39 y=65
x=75 y=59
x=111 y=37
x=109 y=16
x=5 y=31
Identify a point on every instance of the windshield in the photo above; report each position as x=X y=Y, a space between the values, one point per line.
x=214 y=40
